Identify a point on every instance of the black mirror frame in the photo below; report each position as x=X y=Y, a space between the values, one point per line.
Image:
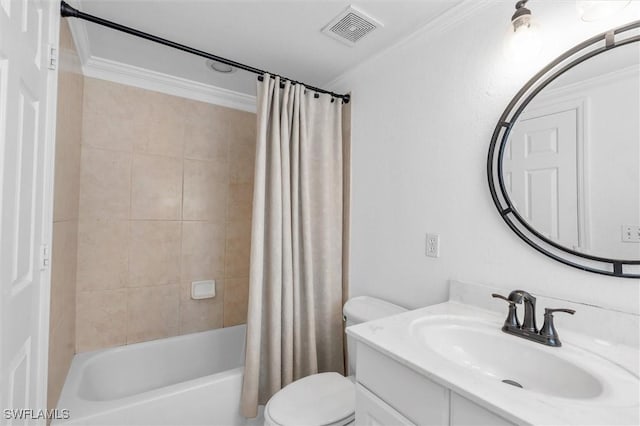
x=614 y=38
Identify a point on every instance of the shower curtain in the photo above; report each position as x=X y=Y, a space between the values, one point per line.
x=294 y=321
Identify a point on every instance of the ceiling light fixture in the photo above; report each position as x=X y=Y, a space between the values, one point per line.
x=594 y=10
x=220 y=67
x=523 y=41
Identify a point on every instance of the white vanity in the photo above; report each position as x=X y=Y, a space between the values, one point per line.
x=447 y=364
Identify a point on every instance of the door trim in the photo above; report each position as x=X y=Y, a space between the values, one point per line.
x=47 y=216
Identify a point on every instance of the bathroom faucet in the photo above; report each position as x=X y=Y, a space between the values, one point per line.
x=529 y=330
x=521 y=296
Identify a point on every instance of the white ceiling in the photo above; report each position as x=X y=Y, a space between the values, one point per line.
x=282 y=37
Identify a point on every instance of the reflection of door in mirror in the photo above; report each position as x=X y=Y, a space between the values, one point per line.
x=540 y=170
x=572 y=161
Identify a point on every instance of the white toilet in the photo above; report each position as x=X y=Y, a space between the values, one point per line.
x=327 y=399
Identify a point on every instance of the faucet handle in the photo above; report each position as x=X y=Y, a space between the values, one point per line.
x=506 y=299
x=512 y=318
x=551 y=311
x=548 y=330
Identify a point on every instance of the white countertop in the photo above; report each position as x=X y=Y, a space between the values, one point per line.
x=392 y=336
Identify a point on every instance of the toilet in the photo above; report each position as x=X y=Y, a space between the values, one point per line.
x=327 y=399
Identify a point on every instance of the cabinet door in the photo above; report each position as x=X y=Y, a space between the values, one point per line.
x=419 y=399
x=466 y=413
x=372 y=411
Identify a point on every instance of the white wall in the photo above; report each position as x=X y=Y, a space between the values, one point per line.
x=614 y=165
x=423 y=114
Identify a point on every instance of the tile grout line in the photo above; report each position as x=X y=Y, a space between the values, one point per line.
x=226 y=224
x=181 y=254
x=128 y=269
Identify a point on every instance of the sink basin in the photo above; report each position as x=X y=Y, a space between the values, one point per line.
x=485 y=350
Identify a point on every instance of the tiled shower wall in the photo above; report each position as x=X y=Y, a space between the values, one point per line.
x=166 y=187
x=62 y=320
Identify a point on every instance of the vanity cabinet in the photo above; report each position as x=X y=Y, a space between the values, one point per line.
x=372 y=411
x=388 y=393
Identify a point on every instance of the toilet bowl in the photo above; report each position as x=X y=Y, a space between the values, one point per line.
x=320 y=399
x=327 y=399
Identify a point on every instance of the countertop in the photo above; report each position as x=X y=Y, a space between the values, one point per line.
x=393 y=337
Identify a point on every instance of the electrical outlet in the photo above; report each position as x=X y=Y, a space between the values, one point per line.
x=433 y=245
x=631 y=233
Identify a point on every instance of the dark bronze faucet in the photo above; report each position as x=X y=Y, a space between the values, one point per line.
x=529 y=330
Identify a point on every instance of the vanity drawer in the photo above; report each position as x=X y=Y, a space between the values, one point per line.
x=372 y=411
x=422 y=401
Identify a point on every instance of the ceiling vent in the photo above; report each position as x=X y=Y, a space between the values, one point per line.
x=350 y=26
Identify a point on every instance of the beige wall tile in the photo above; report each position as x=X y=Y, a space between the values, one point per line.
x=62 y=339
x=238 y=249
x=236 y=300
x=68 y=140
x=63 y=272
x=103 y=248
x=202 y=314
x=67 y=177
x=156 y=188
x=101 y=320
x=203 y=246
x=62 y=336
x=61 y=350
x=154 y=253
x=205 y=190
x=141 y=230
x=165 y=128
x=243 y=125
x=152 y=313
x=114 y=115
x=242 y=149
x=207 y=131
x=240 y=201
x=105 y=184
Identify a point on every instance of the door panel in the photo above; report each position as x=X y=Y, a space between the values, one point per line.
x=541 y=206
x=540 y=166
x=26 y=161
x=27 y=111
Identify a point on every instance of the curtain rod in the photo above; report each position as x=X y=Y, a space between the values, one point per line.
x=67 y=11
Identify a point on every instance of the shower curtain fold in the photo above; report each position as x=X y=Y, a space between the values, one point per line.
x=294 y=321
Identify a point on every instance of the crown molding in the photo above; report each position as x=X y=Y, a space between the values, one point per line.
x=118 y=72
x=143 y=78
x=442 y=23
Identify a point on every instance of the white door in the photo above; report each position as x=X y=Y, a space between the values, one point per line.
x=27 y=115
x=540 y=169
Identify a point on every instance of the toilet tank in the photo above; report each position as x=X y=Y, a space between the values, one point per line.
x=362 y=309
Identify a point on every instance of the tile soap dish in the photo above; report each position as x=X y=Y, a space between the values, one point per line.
x=203 y=289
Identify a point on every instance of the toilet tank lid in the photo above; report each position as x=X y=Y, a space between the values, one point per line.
x=365 y=308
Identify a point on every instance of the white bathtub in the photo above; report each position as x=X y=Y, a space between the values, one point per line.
x=193 y=379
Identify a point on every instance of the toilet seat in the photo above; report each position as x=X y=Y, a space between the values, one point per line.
x=325 y=399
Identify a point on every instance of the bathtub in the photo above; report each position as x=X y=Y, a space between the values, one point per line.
x=194 y=379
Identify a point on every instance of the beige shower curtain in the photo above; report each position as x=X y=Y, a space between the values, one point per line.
x=294 y=323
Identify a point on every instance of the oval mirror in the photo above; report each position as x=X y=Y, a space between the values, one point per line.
x=564 y=160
